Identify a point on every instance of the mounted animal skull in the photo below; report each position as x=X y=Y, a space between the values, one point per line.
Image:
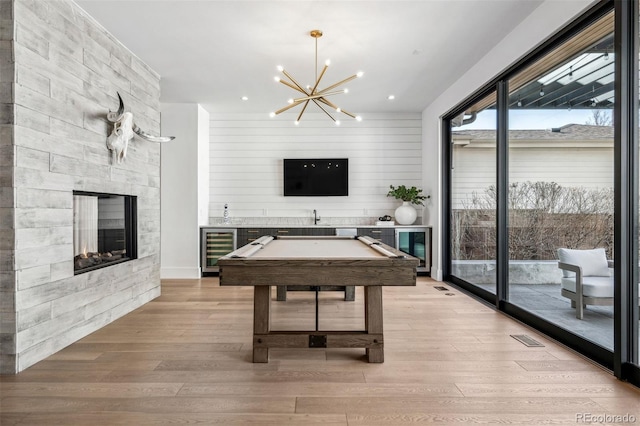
x=124 y=129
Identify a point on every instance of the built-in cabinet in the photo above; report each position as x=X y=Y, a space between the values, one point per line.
x=217 y=242
x=385 y=235
x=247 y=235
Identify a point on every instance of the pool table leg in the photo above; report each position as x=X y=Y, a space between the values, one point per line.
x=373 y=320
x=349 y=293
x=281 y=293
x=261 y=318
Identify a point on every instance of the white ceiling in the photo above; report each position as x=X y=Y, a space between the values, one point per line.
x=213 y=52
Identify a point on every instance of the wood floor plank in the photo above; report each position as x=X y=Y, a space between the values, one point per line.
x=402 y=405
x=423 y=417
x=178 y=418
x=262 y=404
x=186 y=358
x=249 y=374
x=320 y=389
x=563 y=390
x=91 y=390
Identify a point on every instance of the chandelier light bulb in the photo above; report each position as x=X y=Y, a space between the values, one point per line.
x=290 y=101
x=359 y=74
x=277 y=79
x=327 y=62
x=272 y=114
x=338 y=109
x=337 y=122
x=345 y=91
x=280 y=68
x=296 y=122
x=358 y=118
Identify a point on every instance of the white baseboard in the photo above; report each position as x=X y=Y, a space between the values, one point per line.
x=179 y=273
x=436 y=274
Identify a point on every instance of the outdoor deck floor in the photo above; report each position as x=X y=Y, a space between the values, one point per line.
x=545 y=301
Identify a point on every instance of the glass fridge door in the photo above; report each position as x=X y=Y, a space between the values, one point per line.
x=417 y=243
x=215 y=244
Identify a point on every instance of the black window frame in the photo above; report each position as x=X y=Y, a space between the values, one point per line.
x=623 y=360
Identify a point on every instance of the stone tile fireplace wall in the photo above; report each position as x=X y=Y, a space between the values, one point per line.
x=67 y=71
x=7 y=273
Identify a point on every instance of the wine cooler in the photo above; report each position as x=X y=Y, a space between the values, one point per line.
x=416 y=242
x=216 y=242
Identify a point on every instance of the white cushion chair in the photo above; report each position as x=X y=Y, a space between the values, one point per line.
x=586 y=278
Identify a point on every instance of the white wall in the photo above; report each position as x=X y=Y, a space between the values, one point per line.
x=182 y=188
x=542 y=23
x=247 y=152
x=203 y=166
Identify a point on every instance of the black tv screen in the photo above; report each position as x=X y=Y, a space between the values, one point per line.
x=317 y=177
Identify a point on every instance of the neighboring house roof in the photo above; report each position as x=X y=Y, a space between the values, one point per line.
x=568 y=133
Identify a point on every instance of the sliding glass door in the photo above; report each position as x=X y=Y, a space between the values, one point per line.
x=560 y=184
x=543 y=195
x=473 y=194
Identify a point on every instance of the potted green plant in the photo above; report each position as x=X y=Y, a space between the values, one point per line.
x=406 y=214
x=412 y=195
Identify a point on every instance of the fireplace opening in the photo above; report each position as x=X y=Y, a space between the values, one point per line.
x=104 y=230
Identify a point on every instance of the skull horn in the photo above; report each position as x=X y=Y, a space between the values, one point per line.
x=149 y=137
x=116 y=116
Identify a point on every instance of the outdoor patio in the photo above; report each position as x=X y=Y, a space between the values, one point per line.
x=545 y=301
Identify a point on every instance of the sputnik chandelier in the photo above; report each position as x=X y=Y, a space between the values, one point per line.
x=313 y=94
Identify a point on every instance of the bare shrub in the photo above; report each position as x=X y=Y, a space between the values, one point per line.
x=542 y=217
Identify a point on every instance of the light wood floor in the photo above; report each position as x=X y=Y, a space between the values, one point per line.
x=186 y=358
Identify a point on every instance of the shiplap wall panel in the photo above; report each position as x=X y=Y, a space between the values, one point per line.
x=68 y=70
x=247 y=152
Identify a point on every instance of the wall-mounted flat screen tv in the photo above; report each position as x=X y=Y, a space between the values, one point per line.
x=316 y=177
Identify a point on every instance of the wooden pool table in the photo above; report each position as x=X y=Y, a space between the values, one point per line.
x=317 y=261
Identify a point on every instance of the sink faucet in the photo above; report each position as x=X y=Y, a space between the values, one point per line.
x=316 y=218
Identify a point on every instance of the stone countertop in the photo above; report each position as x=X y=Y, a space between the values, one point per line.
x=257 y=225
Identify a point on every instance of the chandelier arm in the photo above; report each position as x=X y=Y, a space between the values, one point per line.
x=335 y=107
x=324 y=110
x=294 y=81
x=306 y=98
x=333 y=86
x=287 y=107
x=319 y=78
x=286 y=83
x=302 y=112
x=332 y=105
x=349 y=114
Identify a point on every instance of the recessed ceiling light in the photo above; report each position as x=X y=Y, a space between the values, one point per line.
x=244 y=98
x=391 y=97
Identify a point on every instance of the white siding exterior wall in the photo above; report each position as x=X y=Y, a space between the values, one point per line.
x=587 y=164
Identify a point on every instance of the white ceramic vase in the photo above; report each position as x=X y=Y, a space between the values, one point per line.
x=406 y=214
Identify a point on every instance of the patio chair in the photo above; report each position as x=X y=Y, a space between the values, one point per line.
x=586 y=278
